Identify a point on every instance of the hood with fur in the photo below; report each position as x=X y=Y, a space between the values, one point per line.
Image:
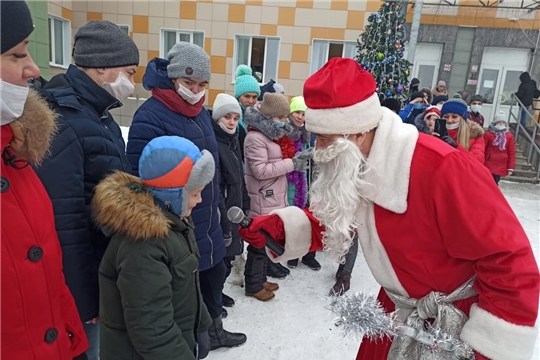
x=476 y=130
x=38 y=124
x=122 y=205
x=299 y=133
x=255 y=119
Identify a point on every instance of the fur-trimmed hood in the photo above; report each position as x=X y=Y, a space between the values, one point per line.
x=257 y=120
x=299 y=133
x=476 y=130
x=38 y=125
x=122 y=205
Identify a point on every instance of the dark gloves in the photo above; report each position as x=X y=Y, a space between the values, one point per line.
x=81 y=357
x=447 y=139
x=204 y=344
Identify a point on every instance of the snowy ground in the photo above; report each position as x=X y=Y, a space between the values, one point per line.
x=296 y=325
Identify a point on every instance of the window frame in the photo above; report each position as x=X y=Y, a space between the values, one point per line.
x=251 y=37
x=162 y=31
x=66 y=40
x=328 y=42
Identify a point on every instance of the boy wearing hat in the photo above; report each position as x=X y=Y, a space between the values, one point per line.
x=88 y=146
x=475 y=106
x=425 y=123
x=152 y=307
x=500 y=148
x=176 y=109
x=373 y=172
x=226 y=115
x=39 y=317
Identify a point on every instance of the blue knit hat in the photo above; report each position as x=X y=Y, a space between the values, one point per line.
x=245 y=82
x=455 y=106
x=171 y=166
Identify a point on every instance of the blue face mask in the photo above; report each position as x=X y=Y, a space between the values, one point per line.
x=278 y=123
x=418 y=106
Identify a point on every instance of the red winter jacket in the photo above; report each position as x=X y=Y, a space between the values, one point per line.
x=39 y=317
x=500 y=161
x=477 y=144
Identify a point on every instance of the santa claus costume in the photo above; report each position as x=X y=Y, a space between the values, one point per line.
x=423 y=231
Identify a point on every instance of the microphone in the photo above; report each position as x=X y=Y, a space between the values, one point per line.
x=237 y=216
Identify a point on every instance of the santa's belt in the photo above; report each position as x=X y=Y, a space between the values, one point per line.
x=435 y=305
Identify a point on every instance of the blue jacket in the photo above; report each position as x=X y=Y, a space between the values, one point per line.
x=88 y=147
x=154 y=119
x=409 y=113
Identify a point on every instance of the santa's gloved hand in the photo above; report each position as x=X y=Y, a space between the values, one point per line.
x=271 y=224
x=447 y=139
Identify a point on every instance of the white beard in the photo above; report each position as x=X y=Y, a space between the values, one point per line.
x=337 y=193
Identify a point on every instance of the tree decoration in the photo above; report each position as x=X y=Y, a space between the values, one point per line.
x=380 y=51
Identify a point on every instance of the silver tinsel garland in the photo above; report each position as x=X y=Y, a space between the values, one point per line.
x=360 y=314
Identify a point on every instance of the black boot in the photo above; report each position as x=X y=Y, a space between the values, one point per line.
x=222 y=338
x=274 y=271
x=312 y=263
x=283 y=268
x=224 y=313
x=227 y=300
x=292 y=264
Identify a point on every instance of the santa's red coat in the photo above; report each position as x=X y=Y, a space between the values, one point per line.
x=500 y=161
x=436 y=219
x=39 y=319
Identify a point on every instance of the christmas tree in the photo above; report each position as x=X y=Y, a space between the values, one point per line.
x=380 y=51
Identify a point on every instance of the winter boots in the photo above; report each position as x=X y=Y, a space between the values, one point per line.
x=227 y=300
x=222 y=338
x=312 y=263
x=270 y=286
x=276 y=270
x=343 y=283
x=263 y=295
x=292 y=264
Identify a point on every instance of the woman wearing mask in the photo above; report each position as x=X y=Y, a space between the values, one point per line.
x=268 y=161
x=89 y=146
x=468 y=135
x=440 y=89
x=39 y=317
x=476 y=106
x=176 y=109
x=500 y=148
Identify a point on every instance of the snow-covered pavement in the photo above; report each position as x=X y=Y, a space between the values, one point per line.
x=295 y=325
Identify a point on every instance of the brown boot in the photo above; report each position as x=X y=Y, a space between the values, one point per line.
x=342 y=285
x=263 y=295
x=271 y=286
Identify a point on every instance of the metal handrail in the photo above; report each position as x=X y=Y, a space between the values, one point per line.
x=519 y=127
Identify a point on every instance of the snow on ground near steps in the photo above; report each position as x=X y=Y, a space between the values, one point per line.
x=296 y=325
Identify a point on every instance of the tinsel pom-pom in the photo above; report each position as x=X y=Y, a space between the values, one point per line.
x=360 y=314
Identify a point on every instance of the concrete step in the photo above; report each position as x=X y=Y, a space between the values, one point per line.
x=524 y=173
x=523 y=166
x=520 y=179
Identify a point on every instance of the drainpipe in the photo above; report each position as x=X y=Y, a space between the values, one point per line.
x=535 y=51
x=415 y=29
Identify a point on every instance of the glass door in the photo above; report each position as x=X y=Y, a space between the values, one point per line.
x=487 y=88
x=510 y=84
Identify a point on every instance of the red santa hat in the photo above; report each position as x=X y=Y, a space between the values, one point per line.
x=341 y=99
x=432 y=110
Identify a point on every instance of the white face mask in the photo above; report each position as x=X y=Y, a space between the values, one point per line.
x=121 y=88
x=452 y=126
x=500 y=127
x=188 y=95
x=233 y=131
x=476 y=108
x=12 y=100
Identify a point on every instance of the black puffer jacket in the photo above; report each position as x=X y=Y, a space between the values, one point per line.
x=231 y=183
x=526 y=89
x=87 y=147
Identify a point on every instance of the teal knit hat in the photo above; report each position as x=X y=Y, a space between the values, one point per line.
x=245 y=82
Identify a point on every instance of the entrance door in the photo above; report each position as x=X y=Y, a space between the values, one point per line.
x=427 y=60
x=499 y=79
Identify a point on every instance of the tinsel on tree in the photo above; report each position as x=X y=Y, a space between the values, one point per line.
x=380 y=51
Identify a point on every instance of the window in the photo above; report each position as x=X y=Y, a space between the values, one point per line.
x=59 y=41
x=170 y=37
x=124 y=28
x=259 y=53
x=324 y=50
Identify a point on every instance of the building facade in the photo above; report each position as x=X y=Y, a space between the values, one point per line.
x=289 y=40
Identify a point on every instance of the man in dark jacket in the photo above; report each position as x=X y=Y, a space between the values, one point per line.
x=88 y=147
x=176 y=109
x=525 y=94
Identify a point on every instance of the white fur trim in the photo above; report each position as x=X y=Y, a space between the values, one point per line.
x=375 y=253
x=496 y=338
x=390 y=159
x=297 y=233
x=355 y=119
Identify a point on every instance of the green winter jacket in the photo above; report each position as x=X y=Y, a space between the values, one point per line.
x=151 y=306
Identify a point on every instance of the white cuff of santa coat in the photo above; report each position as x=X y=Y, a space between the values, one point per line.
x=297 y=234
x=496 y=338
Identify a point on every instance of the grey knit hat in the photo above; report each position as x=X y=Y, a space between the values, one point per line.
x=224 y=105
x=102 y=44
x=188 y=61
x=274 y=105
